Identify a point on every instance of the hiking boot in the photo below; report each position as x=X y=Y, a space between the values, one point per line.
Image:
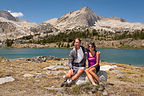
x=69 y=83
x=95 y=88
x=101 y=87
x=64 y=82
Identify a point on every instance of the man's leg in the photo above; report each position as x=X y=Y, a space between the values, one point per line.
x=68 y=75
x=79 y=71
x=78 y=74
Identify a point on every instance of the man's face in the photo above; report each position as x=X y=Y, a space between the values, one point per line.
x=77 y=43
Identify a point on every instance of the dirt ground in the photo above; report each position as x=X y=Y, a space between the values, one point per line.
x=35 y=79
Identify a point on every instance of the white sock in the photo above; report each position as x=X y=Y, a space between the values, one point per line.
x=94 y=83
x=100 y=83
x=70 y=80
x=64 y=77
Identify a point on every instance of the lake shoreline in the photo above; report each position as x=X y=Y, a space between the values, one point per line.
x=123 y=56
x=25 y=58
x=66 y=48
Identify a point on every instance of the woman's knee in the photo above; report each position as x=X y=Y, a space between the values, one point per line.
x=87 y=71
x=92 y=70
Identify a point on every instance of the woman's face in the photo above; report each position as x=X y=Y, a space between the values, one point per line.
x=91 y=48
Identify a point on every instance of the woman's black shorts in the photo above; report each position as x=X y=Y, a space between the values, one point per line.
x=97 y=68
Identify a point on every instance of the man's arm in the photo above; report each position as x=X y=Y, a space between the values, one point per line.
x=71 y=58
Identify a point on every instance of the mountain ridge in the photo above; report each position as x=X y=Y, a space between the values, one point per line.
x=82 y=20
x=87 y=18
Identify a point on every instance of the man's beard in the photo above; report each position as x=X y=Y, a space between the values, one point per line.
x=77 y=46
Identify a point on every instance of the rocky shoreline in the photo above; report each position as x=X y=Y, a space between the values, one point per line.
x=42 y=75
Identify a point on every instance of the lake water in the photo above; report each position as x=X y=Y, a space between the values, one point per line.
x=123 y=56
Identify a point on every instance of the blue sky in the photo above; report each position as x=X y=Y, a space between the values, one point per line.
x=42 y=10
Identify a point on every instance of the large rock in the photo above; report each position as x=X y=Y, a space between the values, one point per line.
x=54 y=67
x=28 y=75
x=40 y=59
x=83 y=78
x=6 y=79
x=102 y=74
x=107 y=67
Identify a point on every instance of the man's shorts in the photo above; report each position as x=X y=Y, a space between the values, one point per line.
x=76 y=69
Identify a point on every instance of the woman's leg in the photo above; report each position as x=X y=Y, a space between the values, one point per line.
x=91 y=71
x=89 y=76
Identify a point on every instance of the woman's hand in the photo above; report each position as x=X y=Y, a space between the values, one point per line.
x=98 y=52
x=90 y=58
x=90 y=67
x=94 y=65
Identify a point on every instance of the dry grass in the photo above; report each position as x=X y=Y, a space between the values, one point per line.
x=129 y=82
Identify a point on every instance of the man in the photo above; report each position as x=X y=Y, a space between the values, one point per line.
x=77 y=62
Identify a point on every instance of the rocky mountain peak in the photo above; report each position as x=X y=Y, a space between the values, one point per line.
x=82 y=17
x=85 y=9
x=7 y=15
x=86 y=18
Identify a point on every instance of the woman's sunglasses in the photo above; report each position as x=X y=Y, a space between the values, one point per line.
x=91 y=46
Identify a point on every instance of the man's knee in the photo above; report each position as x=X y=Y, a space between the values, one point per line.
x=80 y=71
x=68 y=75
x=78 y=74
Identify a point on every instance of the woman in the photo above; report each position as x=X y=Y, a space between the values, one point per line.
x=93 y=67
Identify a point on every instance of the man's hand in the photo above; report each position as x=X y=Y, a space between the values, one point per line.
x=72 y=72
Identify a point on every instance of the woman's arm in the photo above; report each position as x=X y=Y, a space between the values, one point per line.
x=97 y=58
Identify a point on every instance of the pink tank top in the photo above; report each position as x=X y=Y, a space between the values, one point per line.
x=91 y=60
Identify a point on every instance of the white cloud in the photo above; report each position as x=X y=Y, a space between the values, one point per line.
x=16 y=14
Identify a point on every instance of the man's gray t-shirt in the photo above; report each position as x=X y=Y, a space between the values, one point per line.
x=80 y=55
